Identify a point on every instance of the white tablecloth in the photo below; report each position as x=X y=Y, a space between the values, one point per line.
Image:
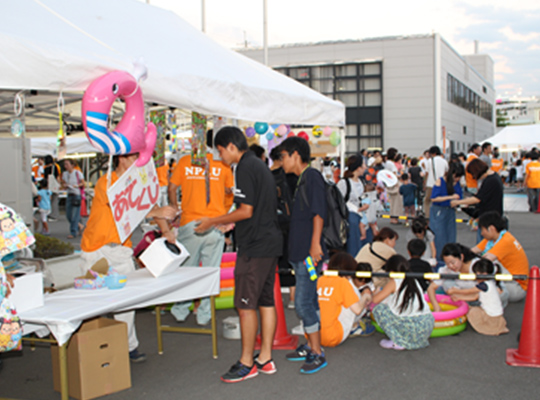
x=65 y=310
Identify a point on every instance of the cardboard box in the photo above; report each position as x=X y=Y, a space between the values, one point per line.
x=98 y=360
x=27 y=293
x=162 y=258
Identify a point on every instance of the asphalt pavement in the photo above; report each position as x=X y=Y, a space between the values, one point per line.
x=468 y=365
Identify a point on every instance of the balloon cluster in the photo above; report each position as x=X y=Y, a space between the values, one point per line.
x=281 y=130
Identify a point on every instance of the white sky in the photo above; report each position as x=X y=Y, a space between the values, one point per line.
x=509 y=31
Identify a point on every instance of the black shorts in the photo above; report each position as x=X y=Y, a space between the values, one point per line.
x=254 y=282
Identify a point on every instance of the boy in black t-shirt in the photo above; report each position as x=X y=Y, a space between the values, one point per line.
x=259 y=242
x=306 y=240
x=416 y=248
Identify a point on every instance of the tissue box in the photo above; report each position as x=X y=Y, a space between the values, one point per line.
x=161 y=257
x=27 y=293
x=98 y=360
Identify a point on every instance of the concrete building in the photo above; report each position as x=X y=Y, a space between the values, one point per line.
x=518 y=111
x=406 y=92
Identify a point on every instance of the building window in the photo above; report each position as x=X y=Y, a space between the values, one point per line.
x=462 y=96
x=346 y=70
x=299 y=73
x=349 y=99
x=357 y=85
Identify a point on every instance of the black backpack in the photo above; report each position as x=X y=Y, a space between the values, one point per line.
x=336 y=223
x=284 y=200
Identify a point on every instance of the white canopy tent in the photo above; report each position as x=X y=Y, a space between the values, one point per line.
x=62 y=46
x=518 y=137
x=42 y=146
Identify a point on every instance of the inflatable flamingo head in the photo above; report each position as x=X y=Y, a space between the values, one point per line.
x=131 y=134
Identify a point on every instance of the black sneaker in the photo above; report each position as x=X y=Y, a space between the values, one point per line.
x=240 y=372
x=299 y=354
x=136 y=357
x=314 y=363
x=268 y=367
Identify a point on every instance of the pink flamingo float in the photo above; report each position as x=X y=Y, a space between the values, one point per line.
x=131 y=134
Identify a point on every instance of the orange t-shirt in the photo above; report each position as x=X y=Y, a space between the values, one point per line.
x=533 y=174
x=335 y=294
x=469 y=180
x=192 y=181
x=163 y=175
x=511 y=255
x=100 y=228
x=497 y=164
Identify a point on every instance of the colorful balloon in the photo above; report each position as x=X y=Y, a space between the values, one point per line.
x=281 y=131
x=303 y=135
x=291 y=134
x=250 y=132
x=327 y=131
x=261 y=127
x=270 y=135
x=317 y=131
x=335 y=139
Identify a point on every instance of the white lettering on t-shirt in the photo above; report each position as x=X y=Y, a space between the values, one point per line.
x=199 y=171
x=325 y=292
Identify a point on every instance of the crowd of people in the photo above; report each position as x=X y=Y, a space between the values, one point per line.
x=276 y=215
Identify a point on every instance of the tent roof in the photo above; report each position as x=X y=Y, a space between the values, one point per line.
x=516 y=137
x=42 y=146
x=65 y=45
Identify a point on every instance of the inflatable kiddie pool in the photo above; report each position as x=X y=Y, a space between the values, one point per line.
x=450 y=321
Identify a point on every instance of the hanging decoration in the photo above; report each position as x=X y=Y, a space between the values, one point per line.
x=131 y=135
x=261 y=127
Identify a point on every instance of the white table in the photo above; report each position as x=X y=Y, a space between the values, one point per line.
x=65 y=310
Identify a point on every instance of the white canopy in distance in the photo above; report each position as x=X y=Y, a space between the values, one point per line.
x=62 y=46
x=517 y=137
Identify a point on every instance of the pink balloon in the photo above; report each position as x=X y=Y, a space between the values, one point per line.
x=303 y=135
x=327 y=131
x=281 y=130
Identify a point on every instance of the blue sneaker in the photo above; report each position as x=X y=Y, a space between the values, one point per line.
x=362 y=329
x=299 y=354
x=136 y=357
x=314 y=363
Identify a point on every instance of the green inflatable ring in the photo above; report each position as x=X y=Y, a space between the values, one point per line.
x=438 y=332
x=224 y=303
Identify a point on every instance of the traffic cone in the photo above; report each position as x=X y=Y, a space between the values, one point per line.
x=528 y=353
x=283 y=340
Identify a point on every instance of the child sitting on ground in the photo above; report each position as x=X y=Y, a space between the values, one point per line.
x=366 y=288
x=420 y=230
x=402 y=312
x=487 y=318
x=340 y=303
x=416 y=248
x=408 y=192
